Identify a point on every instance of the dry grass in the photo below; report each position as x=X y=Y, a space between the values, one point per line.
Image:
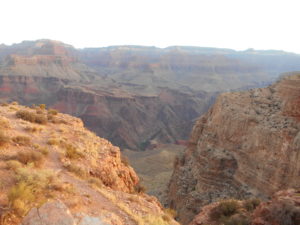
x=53 y=141
x=4 y=123
x=52 y=112
x=3 y=138
x=36 y=158
x=78 y=171
x=97 y=182
x=31 y=188
x=41 y=149
x=225 y=209
x=13 y=165
x=31 y=117
x=251 y=204
x=72 y=152
x=22 y=140
x=33 y=129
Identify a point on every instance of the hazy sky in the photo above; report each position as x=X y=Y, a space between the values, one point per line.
x=237 y=24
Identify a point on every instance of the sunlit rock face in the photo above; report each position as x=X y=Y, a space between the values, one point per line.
x=247 y=144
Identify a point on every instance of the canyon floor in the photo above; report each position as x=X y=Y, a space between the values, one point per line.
x=155 y=167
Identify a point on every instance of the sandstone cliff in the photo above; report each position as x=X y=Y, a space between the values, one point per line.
x=54 y=171
x=247 y=144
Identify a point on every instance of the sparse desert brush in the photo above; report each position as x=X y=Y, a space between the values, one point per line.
x=52 y=112
x=13 y=165
x=30 y=157
x=21 y=140
x=3 y=138
x=78 y=171
x=37 y=178
x=154 y=220
x=41 y=149
x=42 y=106
x=39 y=111
x=94 y=181
x=41 y=119
x=31 y=188
x=170 y=212
x=236 y=220
x=12 y=108
x=226 y=208
x=20 y=198
x=283 y=212
x=4 y=104
x=53 y=141
x=4 y=123
x=33 y=129
x=251 y=204
x=72 y=152
x=14 y=103
x=31 y=117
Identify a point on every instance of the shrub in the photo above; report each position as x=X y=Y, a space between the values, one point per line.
x=26 y=115
x=78 y=171
x=32 y=129
x=4 y=123
x=31 y=117
x=13 y=165
x=72 y=152
x=41 y=149
x=53 y=141
x=96 y=182
x=42 y=106
x=3 y=139
x=39 y=111
x=31 y=188
x=52 y=112
x=30 y=157
x=225 y=208
x=41 y=119
x=251 y=204
x=236 y=220
x=284 y=212
x=21 y=140
x=20 y=196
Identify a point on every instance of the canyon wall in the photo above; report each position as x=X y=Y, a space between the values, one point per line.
x=246 y=145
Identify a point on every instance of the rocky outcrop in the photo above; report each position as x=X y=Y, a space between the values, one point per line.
x=246 y=145
x=55 y=171
x=283 y=208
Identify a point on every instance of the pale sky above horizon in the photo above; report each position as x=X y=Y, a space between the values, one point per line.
x=236 y=24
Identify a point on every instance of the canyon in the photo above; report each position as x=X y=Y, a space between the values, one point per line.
x=246 y=145
x=199 y=125
x=133 y=95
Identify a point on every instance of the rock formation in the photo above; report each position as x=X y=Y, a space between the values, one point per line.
x=283 y=208
x=246 y=145
x=55 y=171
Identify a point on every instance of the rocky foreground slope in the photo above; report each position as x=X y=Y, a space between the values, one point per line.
x=54 y=171
x=246 y=145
